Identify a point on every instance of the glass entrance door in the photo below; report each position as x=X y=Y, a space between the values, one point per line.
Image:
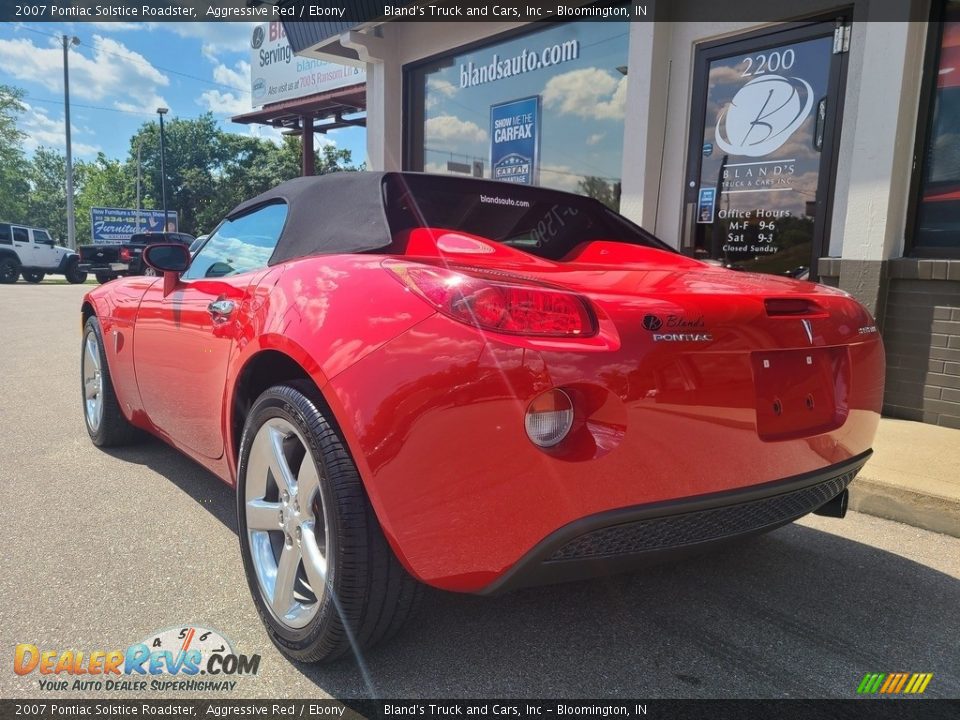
x=761 y=150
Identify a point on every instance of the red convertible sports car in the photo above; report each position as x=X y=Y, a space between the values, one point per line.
x=473 y=385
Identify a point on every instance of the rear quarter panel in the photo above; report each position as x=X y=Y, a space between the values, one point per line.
x=326 y=313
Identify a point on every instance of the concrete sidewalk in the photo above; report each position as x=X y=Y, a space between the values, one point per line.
x=913 y=476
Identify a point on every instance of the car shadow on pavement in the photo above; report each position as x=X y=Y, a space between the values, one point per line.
x=795 y=613
x=210 y=492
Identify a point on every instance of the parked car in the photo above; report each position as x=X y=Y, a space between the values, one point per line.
x=108 y=262
x=197 y=243
x=31 y=252
x=415 y=379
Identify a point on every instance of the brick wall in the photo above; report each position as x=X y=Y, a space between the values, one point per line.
x=921 y=332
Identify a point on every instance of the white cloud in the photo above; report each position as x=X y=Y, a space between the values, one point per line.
x=216 y=36
x=595 y=138
x=117 y=26
x=588 y=93
x=224 y=103
x=42 y=130
x=114 y=72
x=266 y=132
x=560 y=177
x=442 y=86
x=449 y=127
x=229 y=103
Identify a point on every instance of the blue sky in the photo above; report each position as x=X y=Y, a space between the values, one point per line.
x=121 y=72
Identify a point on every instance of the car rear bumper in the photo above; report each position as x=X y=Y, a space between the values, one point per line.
x=121 y=268
x=627 y=538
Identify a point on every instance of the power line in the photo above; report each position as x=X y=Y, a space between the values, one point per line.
x=29 y=99
x=126 y=58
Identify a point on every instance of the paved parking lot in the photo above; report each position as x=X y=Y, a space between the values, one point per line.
x=104 y=548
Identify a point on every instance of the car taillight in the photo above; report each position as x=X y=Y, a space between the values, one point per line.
x=505 y=305
x=125 y=254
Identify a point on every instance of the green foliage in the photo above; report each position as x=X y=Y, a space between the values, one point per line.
x=208 y=172
x=47 y=199
x=13 y=184
x=600 y=189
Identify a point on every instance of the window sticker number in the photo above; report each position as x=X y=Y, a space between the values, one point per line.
x=774 y=61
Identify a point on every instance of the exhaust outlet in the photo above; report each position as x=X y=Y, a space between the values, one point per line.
x=837 y=507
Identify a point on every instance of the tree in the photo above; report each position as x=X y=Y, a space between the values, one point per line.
x=13 y=183
x=600 y=189
x=209 y=171
x=47 y=199
x=106 y=183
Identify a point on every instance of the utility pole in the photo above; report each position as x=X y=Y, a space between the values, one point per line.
x=139 y=144
x=161 y=111
x=71 y=220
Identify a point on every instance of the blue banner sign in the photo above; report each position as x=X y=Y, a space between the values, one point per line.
x=515 y=141
x=110 y=225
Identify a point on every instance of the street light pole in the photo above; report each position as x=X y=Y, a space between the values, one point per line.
x=161 y=111
x=71 y=220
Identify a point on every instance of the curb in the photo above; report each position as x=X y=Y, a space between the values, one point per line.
x=928 y=512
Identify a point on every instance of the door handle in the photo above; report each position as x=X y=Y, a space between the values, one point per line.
x=220 y=310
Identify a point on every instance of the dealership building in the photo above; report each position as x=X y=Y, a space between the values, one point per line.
x=824 y=145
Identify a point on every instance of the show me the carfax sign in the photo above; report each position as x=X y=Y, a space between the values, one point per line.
x=277 y=74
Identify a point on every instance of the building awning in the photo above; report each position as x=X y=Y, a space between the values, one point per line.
x=330 y=108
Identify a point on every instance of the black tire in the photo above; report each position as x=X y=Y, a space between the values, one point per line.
x=9 y=269
x=103 y=278
x=369 y=594
x=73 y=274
x=113 y=429
x=32 y=276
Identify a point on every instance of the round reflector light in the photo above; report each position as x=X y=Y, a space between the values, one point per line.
x=549 y=418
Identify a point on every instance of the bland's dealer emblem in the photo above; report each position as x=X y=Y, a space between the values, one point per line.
x=763 y=115
x=652 y=322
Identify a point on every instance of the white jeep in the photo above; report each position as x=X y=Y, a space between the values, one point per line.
x=30 y=252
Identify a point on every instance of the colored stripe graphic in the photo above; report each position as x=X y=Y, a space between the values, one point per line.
x=894 y=683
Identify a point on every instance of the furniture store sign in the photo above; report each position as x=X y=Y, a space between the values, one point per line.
x=277 y=74
x=515 y=140
x=108 y=225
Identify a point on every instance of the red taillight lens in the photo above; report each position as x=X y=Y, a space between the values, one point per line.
x=125 y=254
x=503 y=305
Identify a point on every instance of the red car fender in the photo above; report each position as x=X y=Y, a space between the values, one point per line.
x=115 y=305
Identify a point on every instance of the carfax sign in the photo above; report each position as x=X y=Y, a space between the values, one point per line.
x=109 y=225
x=515 y=140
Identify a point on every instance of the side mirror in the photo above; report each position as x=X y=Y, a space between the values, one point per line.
x=167 y=257
x=171 y=259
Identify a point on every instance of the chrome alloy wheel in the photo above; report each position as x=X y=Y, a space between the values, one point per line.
x=92 y=382
x=287 y=524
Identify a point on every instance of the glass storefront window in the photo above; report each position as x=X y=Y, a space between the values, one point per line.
x=542 y=108
x=938 y=211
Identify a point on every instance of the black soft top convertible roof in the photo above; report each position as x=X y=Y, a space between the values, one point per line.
x=327 y=214
x=354 y=212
